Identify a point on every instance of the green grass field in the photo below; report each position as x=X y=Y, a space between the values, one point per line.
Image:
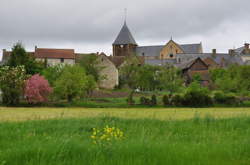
x=58 y=136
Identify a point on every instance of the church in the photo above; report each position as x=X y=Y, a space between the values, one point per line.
x=125 y=45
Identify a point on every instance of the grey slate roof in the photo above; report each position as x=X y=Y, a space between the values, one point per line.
x=125 y=37
x=159 y=62
x=155 y=50
x=218 y=58
x=191 y=48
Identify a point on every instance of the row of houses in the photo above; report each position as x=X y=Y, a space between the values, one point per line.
x=190 y=58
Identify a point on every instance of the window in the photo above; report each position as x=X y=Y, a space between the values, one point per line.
x=143 y=54
x=62 y=60
x=171 y=55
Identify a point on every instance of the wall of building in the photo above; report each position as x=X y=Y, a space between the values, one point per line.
x=55 y=61
x=109 y=72
x=170 y=50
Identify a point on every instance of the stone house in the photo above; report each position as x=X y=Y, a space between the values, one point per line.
x=244 y=53
x=55 y=56
x=109 y=71
x=195 y=67
x=50 y=56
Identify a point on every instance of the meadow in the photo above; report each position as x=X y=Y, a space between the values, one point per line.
x=59 y=136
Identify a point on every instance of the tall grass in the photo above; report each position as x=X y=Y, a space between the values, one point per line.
x=206 y=141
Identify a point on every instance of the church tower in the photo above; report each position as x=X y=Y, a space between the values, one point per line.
x=124 y=44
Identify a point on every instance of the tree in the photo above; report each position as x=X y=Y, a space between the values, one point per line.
x=20 y=57
x=145 y=77
x=169 y=79
x=72 y=83
x=52 y=73
x=37 y=89
x=91 y=65
x=128 y=72
x=11 y=84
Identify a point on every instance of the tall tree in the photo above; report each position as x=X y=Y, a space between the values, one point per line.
x=169 y=79
x=19 y=56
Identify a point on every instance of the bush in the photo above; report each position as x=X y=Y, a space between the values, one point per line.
x=177 y=100
x=145 y=101
x=196 y=96
x=166 y=100
x=130 y=99
x=37 y=89
x=153 y=100
x=12 y=81
x=221 y=98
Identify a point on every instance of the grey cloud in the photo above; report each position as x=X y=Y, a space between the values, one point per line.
x=96 y=23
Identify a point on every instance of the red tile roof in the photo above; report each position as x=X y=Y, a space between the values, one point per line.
x=55 y=53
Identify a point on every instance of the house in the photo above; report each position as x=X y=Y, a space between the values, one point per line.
x=109 y=71
x=244 y=52
x=195 y=67
x=55 y=56
x=50 y=56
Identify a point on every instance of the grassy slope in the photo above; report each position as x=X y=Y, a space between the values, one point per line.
x=62 y=142
x=20 y=114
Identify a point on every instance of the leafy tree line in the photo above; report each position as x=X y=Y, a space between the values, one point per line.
x=150 y=78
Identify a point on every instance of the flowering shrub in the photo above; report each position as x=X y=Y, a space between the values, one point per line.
x=106 y=135
x=37 y=89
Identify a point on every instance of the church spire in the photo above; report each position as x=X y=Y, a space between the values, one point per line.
x=125 y=37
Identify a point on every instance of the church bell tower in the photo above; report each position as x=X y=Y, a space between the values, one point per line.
x=125 y=44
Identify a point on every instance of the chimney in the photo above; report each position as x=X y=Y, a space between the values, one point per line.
x=231 y=52
x=4 y=50
x=214 y=51
x=246 y=46
x=35 y=47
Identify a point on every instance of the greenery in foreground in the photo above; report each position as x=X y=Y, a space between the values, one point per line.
x=195 y=141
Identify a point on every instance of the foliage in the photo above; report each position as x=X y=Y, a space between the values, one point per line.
x=177 y=100
x=37 y=89
x=91 y=65
x=52 y=73
x=166 y=100
x=145 y=101
x=20 y=57
x=72 y=83
x=169 y=79
x=106 y=135
x=222 y=98
x=153 y=100
x=128 y=72
x=234 y=79
x=130 y=99
x=11 y=84
x=196 y=96
x=145 y=78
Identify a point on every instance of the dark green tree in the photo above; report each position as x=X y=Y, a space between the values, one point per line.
x=19 y=56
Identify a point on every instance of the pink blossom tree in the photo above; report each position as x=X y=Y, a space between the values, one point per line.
x=37 y=89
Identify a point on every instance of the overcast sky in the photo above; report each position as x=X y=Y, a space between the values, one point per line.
x=92 y=25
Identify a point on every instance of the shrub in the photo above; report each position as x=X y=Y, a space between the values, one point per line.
x=72 y=83
x=130 y=99
x=145 y=101
x=166 y=100
x=153 y=100
x=37 y=89
x=196 y=96
x=11 y=84
x=177 y=100
x=221 y=98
